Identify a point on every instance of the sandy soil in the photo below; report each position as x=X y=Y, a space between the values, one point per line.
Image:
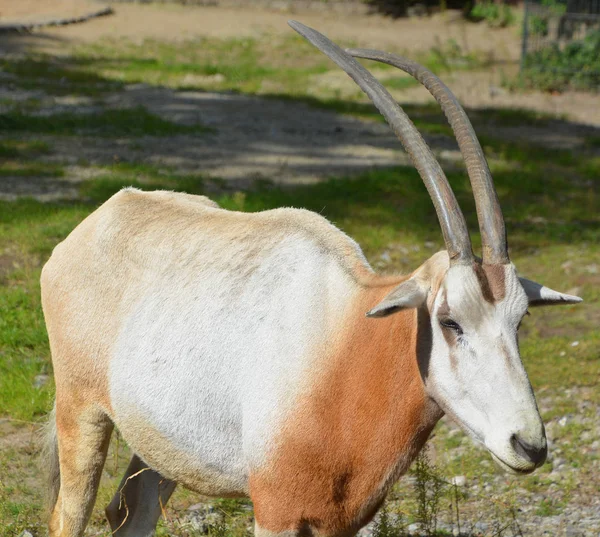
x=174 y=22
x=408 y=36
x=33 y=10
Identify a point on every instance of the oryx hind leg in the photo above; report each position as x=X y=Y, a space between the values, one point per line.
x=82 y=435
x=138 y=503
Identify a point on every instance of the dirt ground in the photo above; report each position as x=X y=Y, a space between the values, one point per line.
x=407 y=36
x=174 y=22
x=33 y=10
x=287 y=142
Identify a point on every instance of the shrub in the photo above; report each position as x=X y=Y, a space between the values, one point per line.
x=538 y=24
x=576 y=66
x=496 y=15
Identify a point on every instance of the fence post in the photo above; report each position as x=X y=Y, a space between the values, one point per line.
x=525 y=38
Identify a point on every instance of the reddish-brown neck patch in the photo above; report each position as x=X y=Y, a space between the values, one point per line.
x=357 y=427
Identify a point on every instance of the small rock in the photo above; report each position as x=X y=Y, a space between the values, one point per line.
x=413 y=528
x=481 y=526
x=40 y=380
x=496 y=90
x=451 y=155
x=459 y=480
x=196 y=507
x=563 y=421
x=563 y=353
x=566 y=266
x=199 y=80
x=385 y=256
x=26 y=533
x=575 y=343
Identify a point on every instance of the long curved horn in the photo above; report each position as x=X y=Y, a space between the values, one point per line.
x=452 y=221
x=489 y=214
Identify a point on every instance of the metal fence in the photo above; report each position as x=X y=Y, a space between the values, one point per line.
x=561 y=40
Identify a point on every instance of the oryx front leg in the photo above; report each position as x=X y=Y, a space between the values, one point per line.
x=138 y=503
x=83 y=437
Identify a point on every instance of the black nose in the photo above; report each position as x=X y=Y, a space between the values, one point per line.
x=535 y=454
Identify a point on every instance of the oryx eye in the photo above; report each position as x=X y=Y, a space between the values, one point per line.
x=451 y=325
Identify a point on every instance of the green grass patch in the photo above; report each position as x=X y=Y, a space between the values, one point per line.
x=136 y=121
x=63 y=75
x=22 y=148
x=31 y=169
x=592 y=141
x=270 y=64
x=247 y=65
x=146 y=177
x=20 y=501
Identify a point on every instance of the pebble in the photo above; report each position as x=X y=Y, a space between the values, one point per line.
x=459 y=480
x=563 y=421
x=40 y=381
x=413 y=528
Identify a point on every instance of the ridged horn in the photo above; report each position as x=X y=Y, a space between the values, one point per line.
x=452 y=221
x=489 y=213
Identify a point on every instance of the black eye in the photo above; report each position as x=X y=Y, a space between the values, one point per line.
x=451 y=325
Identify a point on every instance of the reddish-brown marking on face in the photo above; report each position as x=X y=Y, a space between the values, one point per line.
x=360 y=424
x=492 y=281
x=506 y=354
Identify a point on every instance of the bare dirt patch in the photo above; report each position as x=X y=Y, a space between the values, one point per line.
x=178 y=23
x=32 y=11
x=19 y=435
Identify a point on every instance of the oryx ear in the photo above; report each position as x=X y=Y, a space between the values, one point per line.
x=540 y=295
x=409 y=294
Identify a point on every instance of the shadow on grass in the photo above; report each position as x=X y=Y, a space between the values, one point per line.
x=548 y=195
x=135 y=121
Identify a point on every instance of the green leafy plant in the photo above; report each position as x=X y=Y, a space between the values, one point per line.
x=389 y=524
x=538 y=24
x=576 y=66
x=495 y=14
x=429 y=491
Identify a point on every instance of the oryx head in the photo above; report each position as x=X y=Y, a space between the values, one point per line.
x=473 y=307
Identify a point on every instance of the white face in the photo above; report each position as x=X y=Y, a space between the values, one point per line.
x=475 y=372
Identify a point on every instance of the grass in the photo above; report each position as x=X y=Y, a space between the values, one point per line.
x=549 y=197
x=269 y=65
x=20 y=148
x=122 y=122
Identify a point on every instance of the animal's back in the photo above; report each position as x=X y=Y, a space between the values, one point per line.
x=191 y=325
